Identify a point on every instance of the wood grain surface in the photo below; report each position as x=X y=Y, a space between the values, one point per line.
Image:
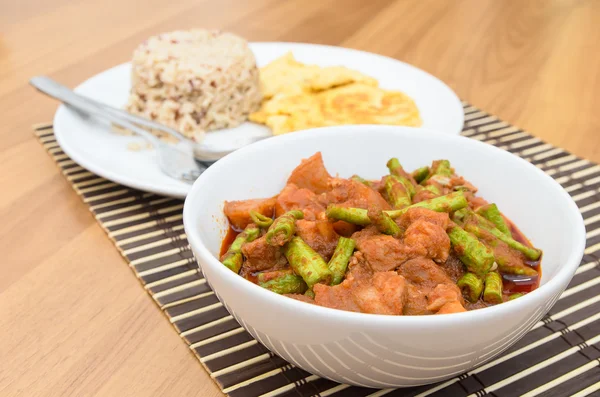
x=73 y=319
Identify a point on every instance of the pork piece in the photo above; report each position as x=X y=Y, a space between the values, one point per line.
x=451 y=307
x=300 y=297
x=365 y=233
x=351 y=193
x=319 y=235
x=443 y=294
x=413 y=214
x=311 y=174
x=415 y=301
x=358 y=266
x=261 y=256
x=382 y=252
x=480 y=304
x=390 y=287
x=238 y=212
x=421 y=239
x=424 y=273
x=426 y=239
x=429 y=288
x=294 y=198
x=365 y=292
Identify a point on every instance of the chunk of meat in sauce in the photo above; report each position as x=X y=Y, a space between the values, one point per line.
x=294 y=198
x=365 y=292
x=311 y=174
x=261 y=256
x=300 y=297
x=414 y=214
x=452 y=307
x=359 y=266
x=319 y=235
x=428 y=240
x=429 y=288
x=421 y=239
x=443 y=294
x=415 y=300
x=365 y=233
x=382 y=252
x=351 y=193
x=390 y=288
x=238 y=212
x=424 y=272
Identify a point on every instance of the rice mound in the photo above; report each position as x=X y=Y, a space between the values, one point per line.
x=194 y=81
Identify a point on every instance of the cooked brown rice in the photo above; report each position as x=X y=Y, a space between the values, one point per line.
x=194 y=81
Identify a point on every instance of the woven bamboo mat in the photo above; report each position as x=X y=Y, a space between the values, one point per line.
x=559 y=356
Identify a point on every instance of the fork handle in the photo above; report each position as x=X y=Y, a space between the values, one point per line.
x=65 y=95
x=49 y=84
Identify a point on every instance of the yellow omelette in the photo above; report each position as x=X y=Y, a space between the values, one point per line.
x=299 y=96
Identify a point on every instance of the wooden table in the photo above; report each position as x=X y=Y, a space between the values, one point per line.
x=73 y=319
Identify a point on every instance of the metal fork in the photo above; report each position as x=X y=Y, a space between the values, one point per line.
x=176 y=161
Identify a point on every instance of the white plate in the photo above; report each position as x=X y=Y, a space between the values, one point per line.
x=91 y=144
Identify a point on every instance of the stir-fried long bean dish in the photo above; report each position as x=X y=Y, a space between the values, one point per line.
x=411 y=243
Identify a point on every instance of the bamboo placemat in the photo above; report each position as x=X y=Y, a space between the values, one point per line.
x=559 y=356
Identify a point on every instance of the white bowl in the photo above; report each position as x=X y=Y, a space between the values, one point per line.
x=377 y=350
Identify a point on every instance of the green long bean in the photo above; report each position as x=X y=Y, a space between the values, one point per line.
x=515 y=296
x=531 y=253
x=261 y=220
x=283 y=228
x=233 y=258
x=356 y=216
x=505 y=263
x=395 y=167
x=441 y=167
x=492 y=293
x=448 y=203
x=400 y=175
x=306 y=262
x=362 y=180
x=471 y=285
x=492 y=214
x=384 y=223
x=474 y=254
x=397 y=194
x=359 y=216
x=420 y=174
x=282 y=282
x=340 y=259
